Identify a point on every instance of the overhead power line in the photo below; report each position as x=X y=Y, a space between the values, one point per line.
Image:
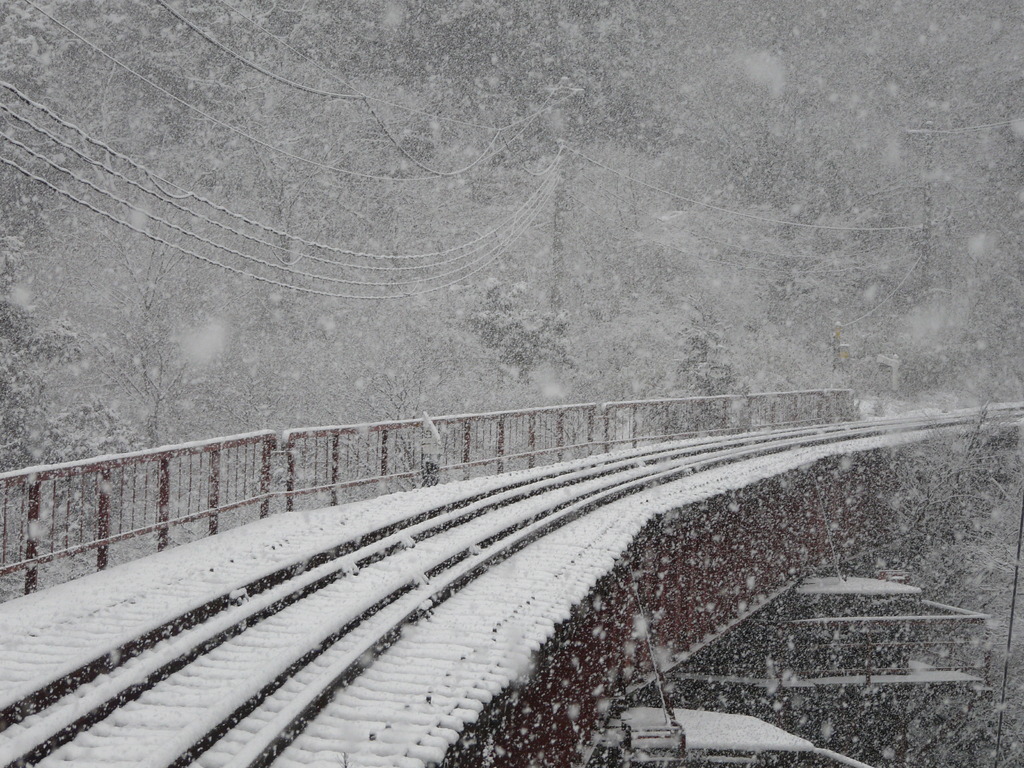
x=673 y=247
x=158 y=193
x=478 y=244
x=968 y=128
x=368 y=97
x=742 y=214
x=520 y=221
x=468 y=270
x=249 y=62
x=235 y=129
x=889 y=297
x=235 y=270
x=723 y=243
x=357 y=96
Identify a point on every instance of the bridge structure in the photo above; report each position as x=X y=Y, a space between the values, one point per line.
x=312 y=616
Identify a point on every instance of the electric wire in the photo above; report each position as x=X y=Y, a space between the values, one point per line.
x=735 y=246
x=677 y=249
x=488 y=152
x=248 y=62
x=496 y=232
x=174 y=227
x=967 y=128
x=720 y=209
x=891 y=295
x=746 y=267
x=217 y=121
x=368 y=97
x=187 y=194
x=260 y=278
x=542 y=194
x=973 y=206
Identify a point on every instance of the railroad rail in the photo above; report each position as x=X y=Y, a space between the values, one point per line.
x=235 y=676
x=129 y=505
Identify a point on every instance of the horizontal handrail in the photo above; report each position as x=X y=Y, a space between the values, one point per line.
x=45 y=471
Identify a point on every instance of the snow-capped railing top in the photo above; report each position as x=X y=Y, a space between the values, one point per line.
x=844 y=394
x=114 y=459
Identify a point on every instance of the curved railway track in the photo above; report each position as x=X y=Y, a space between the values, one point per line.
x=237 y=676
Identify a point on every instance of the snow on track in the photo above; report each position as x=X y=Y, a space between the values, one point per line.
x=421 y=693
x=217 y=683
x=166 y=720
x=52 y=632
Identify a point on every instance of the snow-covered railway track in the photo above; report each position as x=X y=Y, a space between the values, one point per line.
x=197 y=633
x=98 y=649
x=268 y=666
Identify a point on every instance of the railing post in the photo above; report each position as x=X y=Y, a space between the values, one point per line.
x=560 y=434
x=431 y=449
x=383 y=452
x=607 y=419
x=335 y=466
x=634 y=422
x=103 y=518
x=31 y=528
x=466 y=440
x=467 y=437
x=164 y=501
x=289 y=482
x=500 y=451
x=531 y=439
x=591 y=415
x=269 y=444
x=213 y=490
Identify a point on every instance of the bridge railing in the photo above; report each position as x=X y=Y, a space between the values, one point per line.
x=329 y=462
x=59 y=511
x=63 y=512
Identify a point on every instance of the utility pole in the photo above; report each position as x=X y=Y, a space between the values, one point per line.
x=928 y=266
x=560 y=218
x=558 y=274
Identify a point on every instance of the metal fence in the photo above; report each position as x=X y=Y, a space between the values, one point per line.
x=60 y=511
x=63 y=511
x=328 y=461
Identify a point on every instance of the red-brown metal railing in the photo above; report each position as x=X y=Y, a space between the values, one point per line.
x=324 y=461
x=61 y=511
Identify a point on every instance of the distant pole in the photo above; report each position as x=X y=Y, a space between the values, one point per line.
x=558 y=245
x=561 y=213
x=927 y=204
x=840 y=352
